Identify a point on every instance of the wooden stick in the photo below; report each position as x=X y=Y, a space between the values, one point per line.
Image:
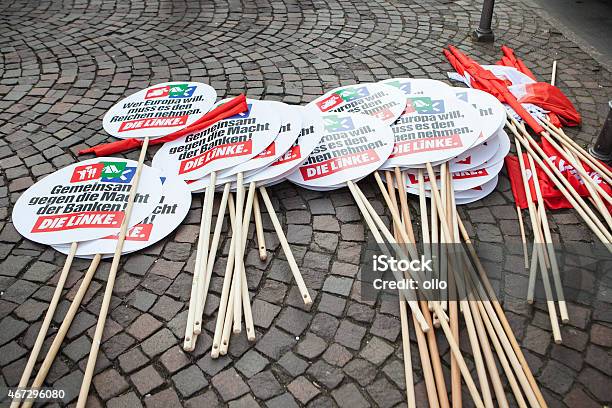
x=523 y=238
x=225 y=290
x=201 y=274
x=414 y=306
x=554 y=73
x=229 y=316
x=239 y=254
x=539 y=243
x=286 y=248
x=552 y=258
x=564 y=186
x=503 y=326
x=437 y=309
x=108 y=292
x=423 y=209
x=401 y=185
x=410 y=394
x=261 y=238
x=65 y=326
x=533 y=271
x=44 y=328
x=213 y=255
x=394 y=213
x=563 y=138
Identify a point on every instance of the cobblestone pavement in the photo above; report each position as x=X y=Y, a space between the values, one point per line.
x=62 y=64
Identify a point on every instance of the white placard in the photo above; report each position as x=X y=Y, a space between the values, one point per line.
x=159 y=110
x=433 y=128
x=225 y=144
x=374 y=99
x=461 y=180
x=352 y=146
x=85 y=201
x=502 y=151
x=466 y=196
x=490 y=110
x=171 y=210
x=420 y=86
x=291 y=124
x=475 y=155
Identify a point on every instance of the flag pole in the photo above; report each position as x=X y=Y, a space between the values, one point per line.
x=65 y=326
x=523 y=238
x=44 y=328
x=239 y=254
x=108 y=292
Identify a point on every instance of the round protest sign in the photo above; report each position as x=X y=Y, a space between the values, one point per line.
x=419 y=86
x=490 y=110
x=291 y=124
x=312 y=129
x=159 y=110
x=172 y=208
x=476 y=193
x=352 y=146
x=465 y=196
x=85 y=201
x=475 y=156
x=433 y=128
x=225 y=144
x=463 y=180
x=501 y=152
x=374 y=99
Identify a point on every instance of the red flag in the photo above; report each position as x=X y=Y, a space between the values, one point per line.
x=233 y=107
x=495 y=86
x=510 y=60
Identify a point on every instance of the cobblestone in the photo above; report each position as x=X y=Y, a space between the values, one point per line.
x=62 y=68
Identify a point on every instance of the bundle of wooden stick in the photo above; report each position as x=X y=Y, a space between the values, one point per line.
x=470 y=295
x=235 y=301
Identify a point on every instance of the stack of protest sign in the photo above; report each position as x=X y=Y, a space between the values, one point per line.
x=432 y=140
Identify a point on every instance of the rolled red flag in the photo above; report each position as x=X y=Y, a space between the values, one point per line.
x=233 y=107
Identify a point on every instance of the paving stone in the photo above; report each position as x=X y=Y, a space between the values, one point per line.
x=597 y=383
x=293 y=320
x=78 y=349
x=251 y=363
x=31 y=310
x=213 y=366
x=337 y=355
x=361 y=371
x=71 y=384
x=132 y=360
x=326 y=374
x=350 y=335
x=208 y=399
x=138 y=264
x=384 y=394
x=163 y=399
x=311 y=346
x=293 y=364
x=285 y=400
x=578 y=398
x=117 y=345
x=386 y=327
x=536 y=340
x=19 y=291
x=331 y=304
x=158 y=343
x=264 y=385
x=338 y=285
x=126 y=400
x=189 y=381
x=349 y=396
x=174 y=359
x=601 y=335
x=263 y=313
x=166 y=308
x=166 y=268
x=144 y=326
x=229 y=385
x=246 y=401
x=303 y=390
x=146 y=380
x=11 y=328
x=275 y=343
x=11 y=352
x=109 y=384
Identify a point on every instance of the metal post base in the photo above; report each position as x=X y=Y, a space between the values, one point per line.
x=599 y=156
x=485 y=36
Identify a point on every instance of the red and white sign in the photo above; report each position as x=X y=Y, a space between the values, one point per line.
x=434 y=127
x=374 y=99
x=466 y=196
x=490 y=110
x=223 y=145
x=291 y=124
x=159 y=110
x=85 y=201
x=352 y=146
x=462 y=181
x=419 y=86
x=501 y=152
x=475 y=156
x=172 y=208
